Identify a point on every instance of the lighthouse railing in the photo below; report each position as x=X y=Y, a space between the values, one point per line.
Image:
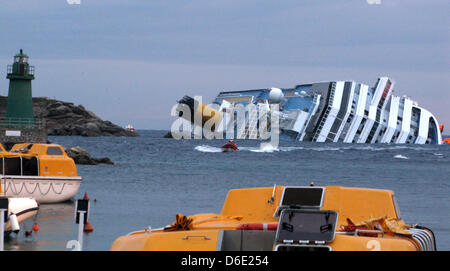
x=31 y=123
x=29 y=70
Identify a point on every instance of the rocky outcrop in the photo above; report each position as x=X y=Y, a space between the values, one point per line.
x=168 y=135
x=66 y=119
x=82 y=157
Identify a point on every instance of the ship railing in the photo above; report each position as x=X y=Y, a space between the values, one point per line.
x=324 y=118
x=311 y=111
x=322 y=123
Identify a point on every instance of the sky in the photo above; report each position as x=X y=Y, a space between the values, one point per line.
x=130 y=61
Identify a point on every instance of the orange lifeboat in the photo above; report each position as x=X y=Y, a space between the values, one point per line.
x=446 y=140
x=289 y=218
x=43 y=172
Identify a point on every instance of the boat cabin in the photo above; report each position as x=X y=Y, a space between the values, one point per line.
x=30 y=159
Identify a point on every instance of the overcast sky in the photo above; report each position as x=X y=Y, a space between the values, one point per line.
x=130 y=61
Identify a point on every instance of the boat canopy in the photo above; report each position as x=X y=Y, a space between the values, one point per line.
x=30 y=159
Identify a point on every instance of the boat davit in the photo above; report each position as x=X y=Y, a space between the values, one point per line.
x=19 y=210
x=230 y=146
x=290 y=218
x=40 y=171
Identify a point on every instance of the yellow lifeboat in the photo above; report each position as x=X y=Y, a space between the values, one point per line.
x=290 y=218
x=40 y=171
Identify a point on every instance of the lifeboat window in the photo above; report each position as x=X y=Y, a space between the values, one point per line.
x=54 y=151
x=306 y=225
x=30 y=166
x=246 y=240
x=302 y=196
x=12 y=166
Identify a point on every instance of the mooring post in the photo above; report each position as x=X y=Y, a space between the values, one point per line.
x=80 y=229
x=4 y=204
x=81 y=217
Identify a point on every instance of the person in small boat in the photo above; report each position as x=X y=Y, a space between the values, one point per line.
x=230 y=145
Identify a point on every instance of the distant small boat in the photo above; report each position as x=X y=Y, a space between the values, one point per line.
x=446 y=140
x=130 y=128
x=229 y=147
x=19 y=210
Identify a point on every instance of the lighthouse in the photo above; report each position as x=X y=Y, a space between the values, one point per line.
x=19 y=110
x=18 y=124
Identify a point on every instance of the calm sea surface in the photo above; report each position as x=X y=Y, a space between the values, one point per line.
x=154 y=178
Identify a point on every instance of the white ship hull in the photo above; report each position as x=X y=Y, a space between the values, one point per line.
x=42 y=189
x=23 y=208
x=331 y=111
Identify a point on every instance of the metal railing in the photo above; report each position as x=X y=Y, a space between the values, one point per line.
x=27 y=71
x=30 y=123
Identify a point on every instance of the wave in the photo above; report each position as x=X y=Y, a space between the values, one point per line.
x=399 y=156
x=267 y=147
x=206 y=148
x=264 y=147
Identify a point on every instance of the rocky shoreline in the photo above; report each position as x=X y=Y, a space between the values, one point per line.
x=66 y=119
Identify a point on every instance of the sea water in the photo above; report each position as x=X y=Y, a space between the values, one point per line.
x=154 y=178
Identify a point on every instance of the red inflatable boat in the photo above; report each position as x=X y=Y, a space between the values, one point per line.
x=229 y=147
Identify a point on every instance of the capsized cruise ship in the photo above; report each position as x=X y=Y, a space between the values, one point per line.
x=334 y=111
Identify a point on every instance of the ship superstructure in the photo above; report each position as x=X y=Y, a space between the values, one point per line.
x=334 y=111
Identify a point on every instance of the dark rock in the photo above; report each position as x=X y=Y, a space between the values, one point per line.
x=168 y=135
x=66 y=119
x=93 y=128
x=58 y=111
x=82 y=157
x=104 y=160
x=63 y=118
